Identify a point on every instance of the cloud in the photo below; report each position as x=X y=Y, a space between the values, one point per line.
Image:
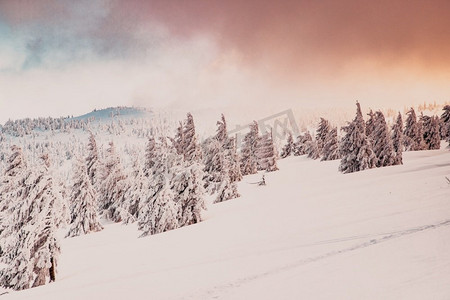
x=251 y=55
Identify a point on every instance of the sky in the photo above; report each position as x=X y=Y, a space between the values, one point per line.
x=62 y=57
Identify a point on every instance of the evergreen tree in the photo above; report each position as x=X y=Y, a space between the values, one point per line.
x=114 y=186
x=356 y=150
x=214 y=162
x=312 y=149
x=234 y=161
x=29 y=239
x=382 y=143
x=431 y=132
x=266 y=154
x=191 y=148
x=321 y=135
x=370 y=124
x=413 y=138
x=13 y=180
x=149 y=156
x=301 y=146
x=228 y=190
x=249 y=159
x=397 y=140
x=179 y=141
x=187 y=184
x=445 y=120
x=288 y=149
x=83 y=204
x=331 y=147
x=159 y=211
x=92 y=161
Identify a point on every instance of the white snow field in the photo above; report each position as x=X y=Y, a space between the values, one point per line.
x=311 y=233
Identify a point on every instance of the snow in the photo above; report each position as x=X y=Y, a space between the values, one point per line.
x=311 y=233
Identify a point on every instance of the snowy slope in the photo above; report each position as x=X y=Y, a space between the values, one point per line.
x=311 y=233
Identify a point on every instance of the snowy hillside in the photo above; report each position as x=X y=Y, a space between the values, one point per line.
x=311 y=233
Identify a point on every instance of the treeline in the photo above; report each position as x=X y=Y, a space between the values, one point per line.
x=372 y=143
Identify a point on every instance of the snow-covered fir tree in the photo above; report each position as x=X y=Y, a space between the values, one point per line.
x=382 y=143
x=355 y=148
x=191 y=148
x=431 y=132
x=83 y=203
x=179 y=142
x=113 y=187
x=301 y=145
x=92 y=160
x=312 y=149
x=216 y=156
x=233 y=160
x=12 y=181
x=445 y=121
x=370 y=124
x=149 y=156
x=413 y=138
x=266 y=153
x=228 y=189
x=138 y=181
x=214 y=160
x=289 y=148
x=159 y=211
x=321 y=135
x=331 y=147
x=188 y=184
x=30 y=243
x=397 y=140
x=249 y=160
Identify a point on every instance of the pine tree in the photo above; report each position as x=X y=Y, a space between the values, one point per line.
x=382 y=143
x=228 y=190
x=321 y=135
x=370 y=124
x=214 y=162
x=114 y=186
x=234 y=161
x=356 y=150
x=29 y=240
x=445 y=119
x=179 y=141
x=92 y=161
x=187 y=185
x=266 y=154
x=413 y=138
x=301 y=146
x=288 y=149
x=12 y=182
x=217 y=154
x=431 y=132
x=83 y=204
x=249 y=159
x=191 y=148
x=312 y=149
x=149 y=156
x=159 y=211
x=331 y=147
x=397 y=140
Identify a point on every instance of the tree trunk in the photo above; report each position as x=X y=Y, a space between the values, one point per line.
x=52 y=270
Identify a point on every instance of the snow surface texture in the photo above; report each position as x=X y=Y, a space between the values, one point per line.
x=311 y=233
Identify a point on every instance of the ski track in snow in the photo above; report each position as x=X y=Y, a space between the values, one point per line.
x=219 y=290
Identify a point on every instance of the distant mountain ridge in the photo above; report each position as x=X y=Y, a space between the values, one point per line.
x=112 y=112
